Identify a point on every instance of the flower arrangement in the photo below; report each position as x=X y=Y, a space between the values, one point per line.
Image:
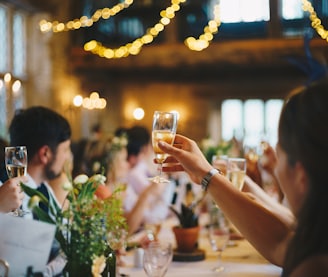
x=210 y=148
x=82 y=228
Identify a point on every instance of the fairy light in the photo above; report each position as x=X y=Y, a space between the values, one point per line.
x=315 y=20
x=84 y=21
x=210 y=29
x=91 y=102
x=134 y=48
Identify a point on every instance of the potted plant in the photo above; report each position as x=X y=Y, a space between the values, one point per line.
x=186 y=233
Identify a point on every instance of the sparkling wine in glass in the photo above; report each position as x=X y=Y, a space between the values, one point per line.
x=16 y=165
x=218 y=234
x=236 y=171
x=164 y=129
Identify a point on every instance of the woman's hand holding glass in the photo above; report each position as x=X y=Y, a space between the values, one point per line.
x=164 y=129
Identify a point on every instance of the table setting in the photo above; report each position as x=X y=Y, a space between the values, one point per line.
x=238 y=258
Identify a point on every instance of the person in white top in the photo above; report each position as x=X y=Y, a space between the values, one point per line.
x=142 y=167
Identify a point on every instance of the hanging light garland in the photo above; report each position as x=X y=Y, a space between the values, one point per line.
x=315 y=20
x=134 y=48
x=204 y=39
x=84 y=21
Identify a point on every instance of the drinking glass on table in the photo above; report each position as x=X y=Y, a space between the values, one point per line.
x=164 y=128
x=236 y=171
x=157 y=258
x=218 y=234
x=16 y=165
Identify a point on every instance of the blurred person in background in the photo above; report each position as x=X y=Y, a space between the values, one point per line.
x=136 y=205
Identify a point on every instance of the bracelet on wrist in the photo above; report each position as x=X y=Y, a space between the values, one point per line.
x=207 y=178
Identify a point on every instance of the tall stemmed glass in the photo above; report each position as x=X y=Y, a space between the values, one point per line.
x=16 y=165
x=164 y=129
x=218 y=234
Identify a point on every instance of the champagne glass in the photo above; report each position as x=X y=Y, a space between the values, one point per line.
x=218 y=234
x=157 y=258
x=164 y=129
x=16 y=165
x=236 y=171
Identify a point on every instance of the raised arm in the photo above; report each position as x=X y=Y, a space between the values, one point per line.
x=267 y=230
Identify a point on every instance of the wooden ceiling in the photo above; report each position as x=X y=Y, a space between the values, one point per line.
x=220 y=60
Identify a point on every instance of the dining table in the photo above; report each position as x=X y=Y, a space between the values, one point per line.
x=239 y=259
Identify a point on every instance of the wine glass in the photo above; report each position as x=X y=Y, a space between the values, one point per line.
x=236 y=171
x=157 y=258
x=16 y=165
x=218 y=234
x=164 y=129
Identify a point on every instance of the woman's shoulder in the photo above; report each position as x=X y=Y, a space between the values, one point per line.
x=312 y=266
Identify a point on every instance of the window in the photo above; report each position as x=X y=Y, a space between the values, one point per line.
x=3 y=110
x=292 y=9
x=233 y=11
x=251 y=121
x=3 y=39
x=12 y=63
x=19 y=45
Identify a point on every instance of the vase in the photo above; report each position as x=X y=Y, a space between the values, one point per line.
x=186 y=238
x=75 y=269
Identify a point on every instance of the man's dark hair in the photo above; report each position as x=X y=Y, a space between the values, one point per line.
x=138 y=136
x=38 y=126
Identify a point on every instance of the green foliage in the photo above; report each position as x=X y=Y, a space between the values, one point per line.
x=83 y=227
x=209 y=149
x=187 y=216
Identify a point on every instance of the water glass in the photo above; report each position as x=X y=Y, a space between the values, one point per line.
x=218 y=234
x=157 y=258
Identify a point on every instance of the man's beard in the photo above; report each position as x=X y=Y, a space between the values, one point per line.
x=50 y=174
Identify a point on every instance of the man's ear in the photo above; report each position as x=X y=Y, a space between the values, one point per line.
x=44 y=154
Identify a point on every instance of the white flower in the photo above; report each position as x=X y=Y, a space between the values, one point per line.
x=33 y=202
x=96 y=166
x=116 y=140
x=98 y=179
x=98 y=266
x=67 y=186
x=207 y=143
x=80 y=179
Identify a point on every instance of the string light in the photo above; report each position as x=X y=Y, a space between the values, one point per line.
x=315 y=20
x=134 y=47
x=90 y=103
x=204 y=39
x=84 y=21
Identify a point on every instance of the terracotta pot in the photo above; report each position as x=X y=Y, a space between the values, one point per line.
x=186 y=238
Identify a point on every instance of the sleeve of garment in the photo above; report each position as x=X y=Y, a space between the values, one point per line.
x=55 y=267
